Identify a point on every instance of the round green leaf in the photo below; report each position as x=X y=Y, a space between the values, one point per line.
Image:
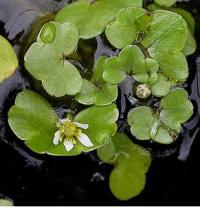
x=97 y=91
x=173 y=65
x=8 y=59
x=93 y=17
x=141 y=120
x=100 y=129
x=176 y=109
x=131 y=61
x=167 y=32
x=123 y=31
x=107 y=153
x=163 y=136
x=46 y=61
x=162 y=87
x=100 y=95
x=32 y=119
x=131 y=164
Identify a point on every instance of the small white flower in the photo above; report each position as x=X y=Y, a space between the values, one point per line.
x=69 y=132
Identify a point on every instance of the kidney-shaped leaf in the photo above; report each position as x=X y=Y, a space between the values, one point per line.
x=176 y=109
x=165 y=39
x=145 y=126
x=46 y=59
x=130 y=166
x=32 y=119
x=131 y=61
x=123 y=31
x=91 y=17
x=97 y=91
x=8 y=59
x=141 y=120
x=164 y=124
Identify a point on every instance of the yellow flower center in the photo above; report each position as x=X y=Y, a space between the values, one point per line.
x=69 y=130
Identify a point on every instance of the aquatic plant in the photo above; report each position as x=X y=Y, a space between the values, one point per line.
x=152 y=44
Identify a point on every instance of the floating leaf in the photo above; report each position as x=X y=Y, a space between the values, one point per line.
x=8 y=59
x=141 y=120
x=32 y=119
x=165 y=39
x=97 y=91
x=176 y=109
x=46 y=59
x=130 y=166
x=166 y=3
x=123 y=31
x=162 y=87
x=93 y=17
x=131 y=61
x=190 y=45
x=145 y=126
x=162 y=125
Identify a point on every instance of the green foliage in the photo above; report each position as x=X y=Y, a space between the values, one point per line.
x=164 y=124
x=123 y=31
x=46 y=59
x=92 y=17
x=131 y=162
x=190 y=45
x=33 y=120
x=8 y=59
x=97 y=91
x=166 y=3
x=131 y=61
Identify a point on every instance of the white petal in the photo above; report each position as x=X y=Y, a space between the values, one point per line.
x=62 y=121
x=68 y=145
x=83 y=126
x=85 y=140
x=56 y=138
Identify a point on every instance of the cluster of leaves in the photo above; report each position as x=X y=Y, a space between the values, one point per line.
x=153 y=47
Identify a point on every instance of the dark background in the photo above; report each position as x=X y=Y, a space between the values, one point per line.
x=31 y=179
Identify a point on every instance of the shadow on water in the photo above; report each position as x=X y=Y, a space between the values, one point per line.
x=31 y=179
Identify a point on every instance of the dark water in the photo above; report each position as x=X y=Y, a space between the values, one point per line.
x=31 y=179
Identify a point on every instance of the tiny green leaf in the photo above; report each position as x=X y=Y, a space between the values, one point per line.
x=176 y=109
x=8 y=59
x=48 y=33
x=46 y=59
